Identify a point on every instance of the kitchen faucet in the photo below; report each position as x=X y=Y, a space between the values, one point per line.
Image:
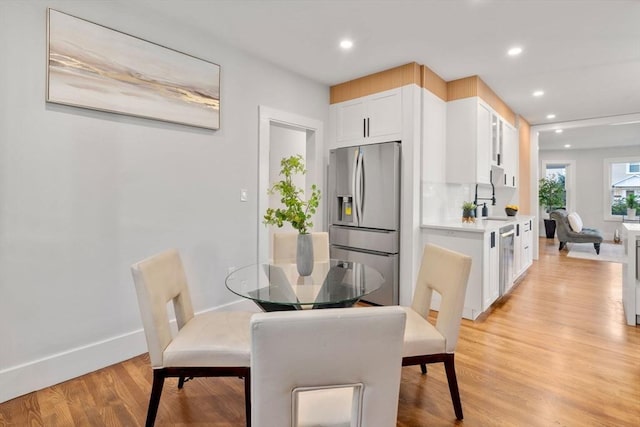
x=493 y=193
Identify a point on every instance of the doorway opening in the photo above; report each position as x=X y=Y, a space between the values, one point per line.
x=284 y=134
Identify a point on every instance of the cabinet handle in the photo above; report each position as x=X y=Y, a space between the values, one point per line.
x=505 y=180
x=493 y=239
x=364 y=128
x=514 y=181
x=517 y=229
x=368 y=127
x=499 y=161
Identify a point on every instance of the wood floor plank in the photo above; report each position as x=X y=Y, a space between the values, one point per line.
x=554 y=352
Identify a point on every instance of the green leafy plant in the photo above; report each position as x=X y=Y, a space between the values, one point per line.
x=632 y=201
x=468 y=206
x=619 y=207
x=551 y=193
x=296 y=210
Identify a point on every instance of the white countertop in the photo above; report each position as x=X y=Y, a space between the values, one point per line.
x=632 y=227
x=480 y=226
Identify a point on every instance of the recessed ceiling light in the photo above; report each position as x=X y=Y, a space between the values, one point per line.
x=567 y=145
x=538 y=93
x=346 y=44
x=515 y=51
x=559 y=130
x=551 y=116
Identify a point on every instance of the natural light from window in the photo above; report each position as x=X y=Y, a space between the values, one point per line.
x=623 y=179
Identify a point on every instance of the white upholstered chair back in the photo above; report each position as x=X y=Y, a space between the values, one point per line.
x=357 y=349
x=158 y=280
x=446 y=272
x=285 y=244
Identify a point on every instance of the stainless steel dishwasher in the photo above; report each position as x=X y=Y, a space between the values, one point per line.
x=506 y=258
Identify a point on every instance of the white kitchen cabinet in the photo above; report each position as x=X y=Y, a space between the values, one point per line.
x=523 y=243
x=491 y=287
x=483 y=286
x=526 y=254
x=369 y=119
x=517 y=250
x=509 y=158
x=496 y=140
x=469 y=141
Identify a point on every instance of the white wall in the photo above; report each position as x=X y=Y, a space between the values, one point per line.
x=84 y=194
x=589 y=182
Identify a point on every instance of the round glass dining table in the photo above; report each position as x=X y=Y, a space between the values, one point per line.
x=276 y=287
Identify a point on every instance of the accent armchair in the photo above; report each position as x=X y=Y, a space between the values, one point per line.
x=566 y=232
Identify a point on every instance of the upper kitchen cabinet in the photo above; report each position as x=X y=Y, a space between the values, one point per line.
x=469 y=140
x=497 y=133
x=481 y=140
x=370 y=119
x=509 y=157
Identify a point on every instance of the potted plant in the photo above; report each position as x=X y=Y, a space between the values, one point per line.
x=468 y=212
x=632 y=204
x=551 y=196
x=295 y=210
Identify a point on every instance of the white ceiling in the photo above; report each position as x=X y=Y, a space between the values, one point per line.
x=591 y=137
x=584 y=54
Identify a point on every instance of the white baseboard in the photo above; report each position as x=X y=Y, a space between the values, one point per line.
x=56 y=368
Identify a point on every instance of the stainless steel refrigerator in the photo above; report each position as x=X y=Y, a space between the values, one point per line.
x=364 y=211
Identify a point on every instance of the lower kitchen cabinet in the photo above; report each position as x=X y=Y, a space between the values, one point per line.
x=482 y=246
x=523 y=256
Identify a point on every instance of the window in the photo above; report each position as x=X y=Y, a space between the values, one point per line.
x=559 y=173
x=622 y=177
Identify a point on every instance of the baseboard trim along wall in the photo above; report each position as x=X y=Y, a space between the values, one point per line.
x=41 y=373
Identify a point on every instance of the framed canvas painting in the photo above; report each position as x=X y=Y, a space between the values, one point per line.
x=92 y=66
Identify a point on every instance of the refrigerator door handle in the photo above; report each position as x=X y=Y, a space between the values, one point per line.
x=354 y=170
x=358 y=185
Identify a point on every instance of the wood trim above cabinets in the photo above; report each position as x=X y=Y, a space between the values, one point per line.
x=474 y=86
x=375 y=83
x=524 y=187
x=433 y=82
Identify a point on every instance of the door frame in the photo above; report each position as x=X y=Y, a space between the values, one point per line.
x=314 y=164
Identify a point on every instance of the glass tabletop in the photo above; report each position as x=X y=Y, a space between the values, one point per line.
x=334 y=283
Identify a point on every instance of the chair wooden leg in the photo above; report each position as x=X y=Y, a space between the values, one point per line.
x=597 y=248
x=183 y=380
x=562 y=245
x=450 y=368
x=423 y=368
x=247 y=398
x=154 y=400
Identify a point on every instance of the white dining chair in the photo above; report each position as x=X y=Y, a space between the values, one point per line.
x=332 y=367
x=447 y=273
x=213 y=344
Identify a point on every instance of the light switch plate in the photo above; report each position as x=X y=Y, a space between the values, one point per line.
x=243 y=195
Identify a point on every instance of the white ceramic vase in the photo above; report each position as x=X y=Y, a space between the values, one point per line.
x=304 y=254
x=631 y=213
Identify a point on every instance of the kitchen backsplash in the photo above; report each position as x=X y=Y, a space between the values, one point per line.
x=442 y=201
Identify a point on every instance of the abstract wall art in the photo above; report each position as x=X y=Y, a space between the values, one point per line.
x=96 y=67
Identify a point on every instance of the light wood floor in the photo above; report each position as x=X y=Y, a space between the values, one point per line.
x=554 y=352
